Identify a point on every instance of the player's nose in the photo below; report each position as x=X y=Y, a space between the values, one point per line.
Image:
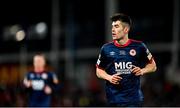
x=112 y=29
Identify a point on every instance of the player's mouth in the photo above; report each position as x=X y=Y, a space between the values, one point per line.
x=113 y=35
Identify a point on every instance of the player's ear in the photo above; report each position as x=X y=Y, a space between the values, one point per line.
x=126 y=29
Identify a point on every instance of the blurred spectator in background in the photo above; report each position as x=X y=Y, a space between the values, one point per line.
x=40 y=83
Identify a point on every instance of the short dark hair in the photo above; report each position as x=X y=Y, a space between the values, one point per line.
x=122 y=17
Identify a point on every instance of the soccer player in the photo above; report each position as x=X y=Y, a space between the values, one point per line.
x=40 y=83
x=121 y=63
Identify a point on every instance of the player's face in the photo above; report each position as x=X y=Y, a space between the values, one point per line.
x=39 y=63
x=118 y=30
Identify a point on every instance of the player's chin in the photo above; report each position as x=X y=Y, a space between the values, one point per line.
x=114 y=38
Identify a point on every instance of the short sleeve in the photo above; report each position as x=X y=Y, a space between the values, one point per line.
x=147 y=56
x=102 y=60
x=54 y=77
x=27 y=76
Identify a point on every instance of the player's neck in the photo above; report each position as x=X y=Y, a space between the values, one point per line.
x=123 y=40
x=39 y=70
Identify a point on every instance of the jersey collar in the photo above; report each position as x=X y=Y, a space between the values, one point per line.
x=119 y=45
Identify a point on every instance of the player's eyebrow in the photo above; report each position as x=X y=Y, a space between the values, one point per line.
x=116 y=25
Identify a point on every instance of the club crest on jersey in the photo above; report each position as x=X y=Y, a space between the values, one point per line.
x=44 y=76
x=132 y=52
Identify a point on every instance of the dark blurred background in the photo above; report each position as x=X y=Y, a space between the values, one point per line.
x=71 y=33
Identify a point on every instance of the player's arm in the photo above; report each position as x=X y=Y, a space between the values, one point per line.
x=149 y=67
x=114 y=79
x=102 y=63
x=53 y=86
x=150 y=64
x=27 y=83
x=55 y=79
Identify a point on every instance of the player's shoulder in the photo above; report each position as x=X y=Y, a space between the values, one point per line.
x=137 y=42
x=50 y=72
x=108 y=44
x=30 y=72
